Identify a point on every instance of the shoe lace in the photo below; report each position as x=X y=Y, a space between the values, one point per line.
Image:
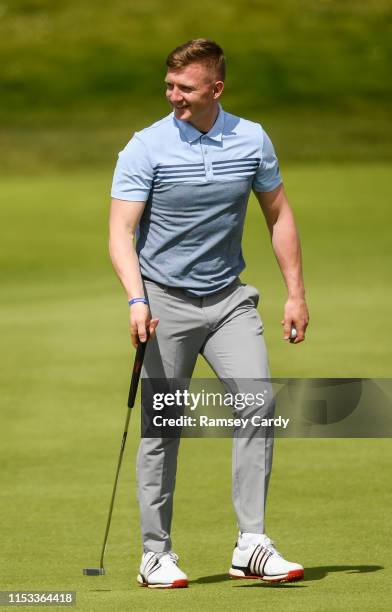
x=270 y=545
x=172 y=555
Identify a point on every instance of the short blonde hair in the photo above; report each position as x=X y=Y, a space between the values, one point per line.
x=199 y=50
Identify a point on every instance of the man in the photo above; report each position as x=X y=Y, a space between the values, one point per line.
x=184 y=182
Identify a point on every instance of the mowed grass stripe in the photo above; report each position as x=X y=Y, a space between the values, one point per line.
x=65 y=375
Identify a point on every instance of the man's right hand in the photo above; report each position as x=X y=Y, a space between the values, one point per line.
x=141 y=325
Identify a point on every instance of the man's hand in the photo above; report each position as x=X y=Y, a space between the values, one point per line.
x=295 y=315
x=141 y=325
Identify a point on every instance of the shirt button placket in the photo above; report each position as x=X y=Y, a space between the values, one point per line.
x=207 y=162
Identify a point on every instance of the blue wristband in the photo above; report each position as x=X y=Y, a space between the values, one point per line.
x=136 y=300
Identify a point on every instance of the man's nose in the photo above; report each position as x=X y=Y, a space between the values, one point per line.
x=175 y=95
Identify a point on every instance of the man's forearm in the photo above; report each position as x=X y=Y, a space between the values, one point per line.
x=287 y=249
x=125 y=261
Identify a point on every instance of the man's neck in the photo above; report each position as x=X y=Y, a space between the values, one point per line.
x=207 y=122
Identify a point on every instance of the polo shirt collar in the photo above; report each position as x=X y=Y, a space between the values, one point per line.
x=191 y=134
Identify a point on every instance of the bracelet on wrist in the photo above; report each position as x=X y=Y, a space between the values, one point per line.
x=143 y=300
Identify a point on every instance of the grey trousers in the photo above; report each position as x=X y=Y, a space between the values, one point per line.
x=226 y=329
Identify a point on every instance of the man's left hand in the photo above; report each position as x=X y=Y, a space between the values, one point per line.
x=295 y=315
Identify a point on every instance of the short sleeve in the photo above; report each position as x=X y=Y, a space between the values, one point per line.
x=267 y=176
x=133 y=174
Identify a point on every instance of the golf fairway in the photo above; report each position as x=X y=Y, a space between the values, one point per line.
x=65 y=378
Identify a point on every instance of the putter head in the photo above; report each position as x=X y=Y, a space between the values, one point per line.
x=93 y=571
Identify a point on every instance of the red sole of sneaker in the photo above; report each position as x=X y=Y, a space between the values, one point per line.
x=177 y=584
x=293 y=576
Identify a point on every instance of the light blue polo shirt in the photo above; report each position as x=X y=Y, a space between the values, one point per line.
x=196 y=187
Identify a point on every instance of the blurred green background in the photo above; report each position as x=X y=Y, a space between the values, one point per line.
x=316 y=72
x=76 y=79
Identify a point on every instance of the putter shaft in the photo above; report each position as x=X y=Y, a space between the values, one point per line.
x=137 y=366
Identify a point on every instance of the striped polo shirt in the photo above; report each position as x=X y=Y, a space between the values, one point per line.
x=196 y=187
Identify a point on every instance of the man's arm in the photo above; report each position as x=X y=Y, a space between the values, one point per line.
x=286 y=245
x=124 y=219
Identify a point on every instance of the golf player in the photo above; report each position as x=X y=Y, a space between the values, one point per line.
x=181 y=186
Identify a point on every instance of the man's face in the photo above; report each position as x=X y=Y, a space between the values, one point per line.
x=192 y=92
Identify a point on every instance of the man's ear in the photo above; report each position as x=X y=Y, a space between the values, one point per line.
x=218 y=89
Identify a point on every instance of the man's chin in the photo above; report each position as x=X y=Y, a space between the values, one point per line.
x=182 y=113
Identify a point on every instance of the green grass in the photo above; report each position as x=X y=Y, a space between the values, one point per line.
x=299 y=135
x=64 y=378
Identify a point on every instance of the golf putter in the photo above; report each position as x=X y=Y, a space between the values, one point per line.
x=137 y=366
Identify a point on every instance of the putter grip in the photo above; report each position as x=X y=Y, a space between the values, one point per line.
x=137 y=367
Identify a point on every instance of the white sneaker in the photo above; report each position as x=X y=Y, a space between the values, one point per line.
x=256 y=557
x=160 y=571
